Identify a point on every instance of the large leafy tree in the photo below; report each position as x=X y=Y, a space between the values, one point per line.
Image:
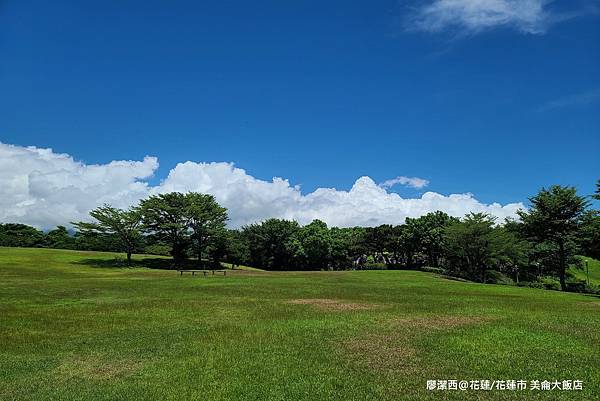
x=412 y=239
x=377 y=239
x=433 y=226
x=555 y=217
x=472 y=245
x=341 y=247
x=111 y=221
x=165 y=216
x=238 y=248
x=269 y=243
x=311 y=246
x=206 y=219
x=597 y=194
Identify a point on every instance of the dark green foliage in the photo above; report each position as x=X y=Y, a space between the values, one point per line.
x=206 y=221
x=496 y=277
x=110 y=221
x=311 y=246
x=181 y=220
x=431 y=233
x=165 y=217
x=589 y=234
x=472 y=245
x=90 y=241
x=270 y=243
x=20 y=235
x=60 y=238
x=555 y=216
x=342 y=253
x=238 y=248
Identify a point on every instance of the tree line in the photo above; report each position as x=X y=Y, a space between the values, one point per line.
x=536 y=249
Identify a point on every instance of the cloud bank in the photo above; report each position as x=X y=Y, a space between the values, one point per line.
x=473 y=16
x=44 y=189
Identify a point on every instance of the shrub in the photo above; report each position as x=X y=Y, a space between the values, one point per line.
x=531 y=284
x=577 y=286
x=158 y=249
x=496 y=277
x=550 y=283
x=437 y=270
x=374 y=266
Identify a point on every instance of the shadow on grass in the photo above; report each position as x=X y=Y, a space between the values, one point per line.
x=148 y=263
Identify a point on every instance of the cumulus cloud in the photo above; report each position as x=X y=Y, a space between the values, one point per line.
x=43 y=188
x=472 y=16
x=413 y=182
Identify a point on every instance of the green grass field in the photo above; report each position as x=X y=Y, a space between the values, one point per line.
x=74 y=328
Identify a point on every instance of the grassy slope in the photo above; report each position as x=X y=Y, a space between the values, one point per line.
x=594 y=269
x=71 y=330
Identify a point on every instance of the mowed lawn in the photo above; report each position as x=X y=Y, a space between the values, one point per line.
x=74 y=328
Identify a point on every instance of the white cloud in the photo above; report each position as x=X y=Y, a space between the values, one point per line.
x=43 y=188
x=413 y=182
x=472 y=16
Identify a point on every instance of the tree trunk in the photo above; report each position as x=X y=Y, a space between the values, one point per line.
x=177 y=255
x=199 y=250
x=129 y=258
x=562 y=267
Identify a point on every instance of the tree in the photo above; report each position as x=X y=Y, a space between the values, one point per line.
x=311 y=245
x=555 y=216
x=59 y=238
x=20 y=235
x=589 y=236
x=238 y=249
x=217 y=246
x=206 y=219
x=93 y=241
x=269 y=243
x=357 y=243
x=432 y=234
x=165 y=216
x=412 y=239
x=472 y=245
x=125 y=224
x=511 y=251
x=597 y=194
x=341 y=248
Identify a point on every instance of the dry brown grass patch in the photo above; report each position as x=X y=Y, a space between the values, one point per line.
x=592 y=304
x=332 y=304
x=438 y=322
x=91 y=367
x=382 y=353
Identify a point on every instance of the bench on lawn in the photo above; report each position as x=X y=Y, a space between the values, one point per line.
x=205 y=272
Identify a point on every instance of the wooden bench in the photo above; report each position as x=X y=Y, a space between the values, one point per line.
x=205 y=272
x=193 y=272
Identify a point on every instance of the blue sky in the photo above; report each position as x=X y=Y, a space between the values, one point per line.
x=320 y=93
